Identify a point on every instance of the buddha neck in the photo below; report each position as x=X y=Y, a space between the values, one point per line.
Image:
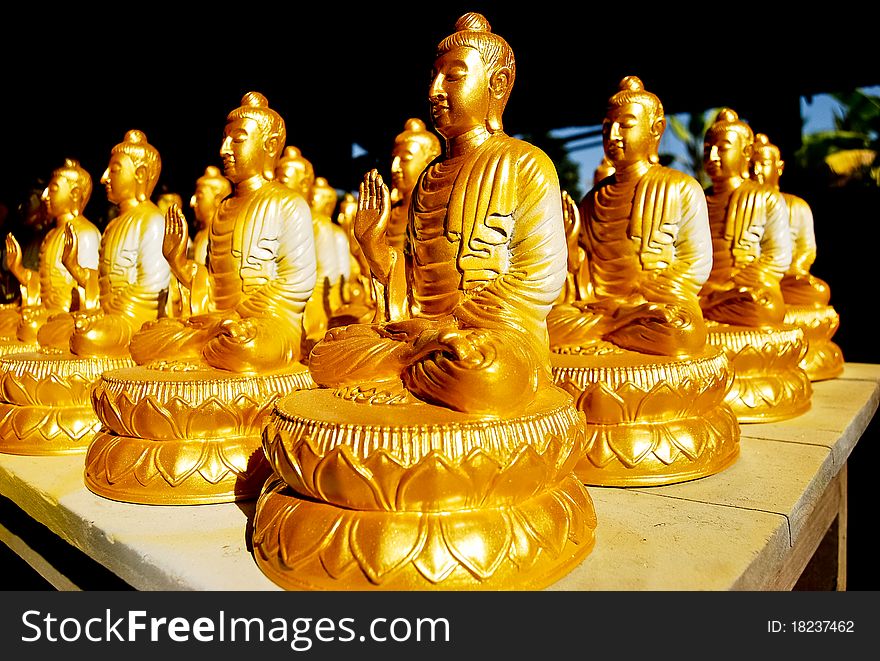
x=466 y=142
x=62 y=220
x=129 y=204
x=633 y=172
x=728 y=184
x=251 y=184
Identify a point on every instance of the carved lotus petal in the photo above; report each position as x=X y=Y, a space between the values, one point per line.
x=577 y=499
x=279 y=461
x=709 y=397
x=601 y=405
x=383 y=544
x=213 y=466
x=146 y=471
x=178 y=461
x=633 y=446
x=526 y=548
x=547 y=520
x=122 y=457
x=239 y=455
x=434 y=484
x=53 y=389
x=598 y=451
x=305 y=531
x=341 y=479
x=76 y=423
x=435 y=562
x=661 y=403
x=214 y=415
x=526 y=475
x=749 y=359
x=16 y=391
x=150 y=420
x=387 y=472
x=665 y=450
x=26 y=420
x=482 y=471
x=688 y=442
x=108 y=412
x=479 y=539
x=337 y=557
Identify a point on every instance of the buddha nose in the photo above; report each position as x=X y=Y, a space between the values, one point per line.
x=105 y=178
x=713 y=153
x=615 y=131
x=436 y=93
x=192 y=201
x=226 y=147
x=395 y=164
x=45 y=195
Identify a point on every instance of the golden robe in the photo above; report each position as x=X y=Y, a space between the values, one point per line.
x=485 y=260
x=798 y=286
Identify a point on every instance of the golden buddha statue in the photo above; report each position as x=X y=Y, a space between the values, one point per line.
x=168 y=199
x=296 y=172
x=51 y=289
x=806 y=297
x=46 y=407
x=437 y=454
x=358 y=302
x=414 y=149
x=751 y=251
x=211 y=189
x=333 y=257
x=632 y=348
x=182 y=427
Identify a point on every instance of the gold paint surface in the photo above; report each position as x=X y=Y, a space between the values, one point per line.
x=435 y=453
x=628 y=337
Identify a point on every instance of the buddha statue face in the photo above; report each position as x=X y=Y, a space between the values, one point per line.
x=630 y=134
x=726 y=154
x=766 y=163
x=413 y=150
x=245 y=151
x=122 y=179
x=61 y=197
x=205 y=202
x=323 y=198
x=458 y=97
x=294 y=174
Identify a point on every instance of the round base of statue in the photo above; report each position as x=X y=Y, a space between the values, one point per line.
x=651 y=420
x=824 y=359
x=182 y=434
x=379 y=491
x=45 y=401
x=769 y=384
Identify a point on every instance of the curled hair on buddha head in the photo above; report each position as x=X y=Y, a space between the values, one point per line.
x=415 y=131
x=632 y=90
x=78 y=177
x=221 y=186
x=142 y=154
x=474 y=31
x=255 y=106
x=728 y=120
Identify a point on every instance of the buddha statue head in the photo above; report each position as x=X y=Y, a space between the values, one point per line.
x=253 y=139
x=133 y=171
x=472 y=79
x=727 y=147
x=167 y=199
x=296 y=172
x=766 y=161
x=323 y=199
x=633 y=125
x=414 y=148
x=211 y=189
x=68 y=191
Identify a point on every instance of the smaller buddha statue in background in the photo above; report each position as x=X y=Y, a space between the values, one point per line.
x=132 y=277
x=333 y=256
x=211 y=189
x=806 y=297
x=639 y=252
x=751 y=251
x=296 y=172
x=750 y=235
x=166 y=200
x=193 y=405
x=414 y=149
x=52 y=289
x=54 y=386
